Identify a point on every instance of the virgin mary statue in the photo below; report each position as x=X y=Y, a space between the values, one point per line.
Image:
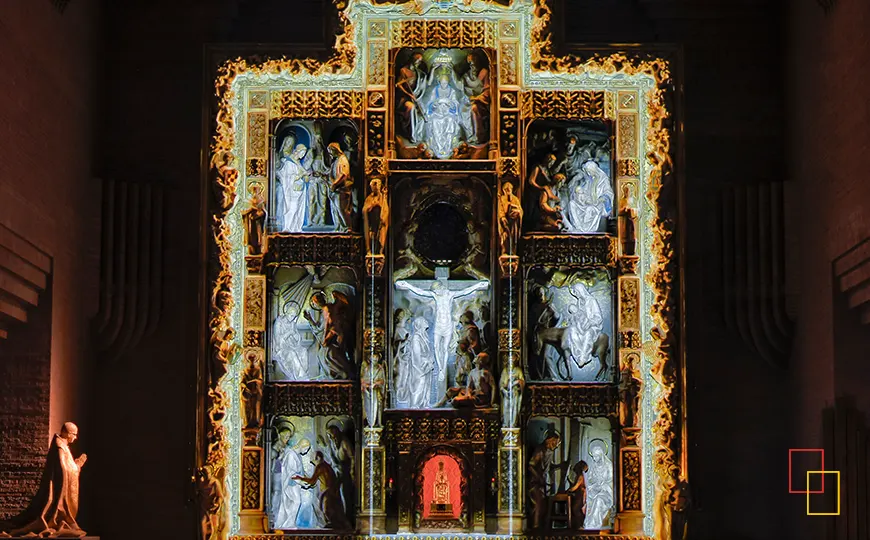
x=448 y=109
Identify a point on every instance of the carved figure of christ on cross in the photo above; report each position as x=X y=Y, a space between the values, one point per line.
x=443 y=296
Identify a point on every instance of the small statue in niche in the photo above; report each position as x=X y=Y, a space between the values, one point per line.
x=510 y=216
x=512 y=385
x=330 y=492
x=252 y=389
x=53 y=510
x=441 y=492
x=578 y=495
x=627 y=216
x=334 y=331
x=539 y=487
x=629 y=389
x=255 y=222
x=376 y=214
x=373 y=381
x=341 y=189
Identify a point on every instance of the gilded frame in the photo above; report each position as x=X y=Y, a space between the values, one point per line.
x=658 y=336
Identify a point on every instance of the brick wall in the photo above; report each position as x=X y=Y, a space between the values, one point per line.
x=25 y=386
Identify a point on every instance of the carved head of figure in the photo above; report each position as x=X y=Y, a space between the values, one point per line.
x=467 y=318
x=318 y=300
x=559 y=179
x=334 y=433
x=416 y=60
x=484 y=312
x=334 y=149
x=437 y=286
x=572 y=143
x=375 y=186
x=285 y=430
x=443 y=81
x=597 y=451
x=481 y=361
x=299 y=152
x=318 y=458
x=420 y=325
x=507 y=188
x=551 y=160
x=579 y=468
x=70 y=432
x=553 y=440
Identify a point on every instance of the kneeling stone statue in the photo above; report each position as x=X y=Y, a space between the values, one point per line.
x=52 y=511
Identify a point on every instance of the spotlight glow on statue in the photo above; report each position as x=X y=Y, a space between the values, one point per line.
x=443 y=299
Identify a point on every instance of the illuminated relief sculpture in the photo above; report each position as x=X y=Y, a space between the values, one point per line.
x=314 y=328
x=443 y=100
x=570 y=325
x=312 y=474
x=571 y=188
x=443 y=295
x=314 y=181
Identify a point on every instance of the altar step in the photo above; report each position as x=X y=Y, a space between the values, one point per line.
x=24 y=273
x=852 y=275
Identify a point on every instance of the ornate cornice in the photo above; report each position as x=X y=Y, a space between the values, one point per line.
x=575 y=400
x=311 y=398
x=301 y=249
x=598 y=251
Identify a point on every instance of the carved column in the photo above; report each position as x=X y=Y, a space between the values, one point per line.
x=629 y=519
x=371 y=518
x=252 y=514
x=510 y=452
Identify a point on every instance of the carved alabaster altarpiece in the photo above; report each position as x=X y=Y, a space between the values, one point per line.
x=638 y=393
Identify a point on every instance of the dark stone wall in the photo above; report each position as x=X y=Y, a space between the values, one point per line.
x=49 y=204
x=770 y=93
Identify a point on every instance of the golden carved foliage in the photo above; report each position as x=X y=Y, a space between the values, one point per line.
x=317 y=104
x=574 y=104
x=461 y=34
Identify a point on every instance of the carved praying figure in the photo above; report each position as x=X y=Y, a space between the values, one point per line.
x=443 y=298
x=53 y=510
x=376 y=215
